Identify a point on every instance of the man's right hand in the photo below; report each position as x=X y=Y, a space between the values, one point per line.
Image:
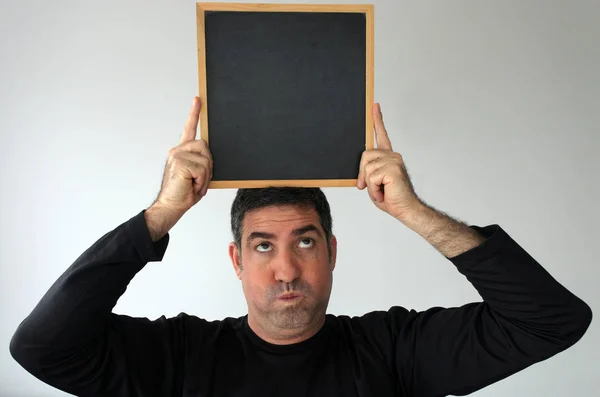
x=185 y=178
x=188 y=169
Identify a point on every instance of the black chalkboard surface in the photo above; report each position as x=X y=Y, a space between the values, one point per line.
x=286 y=91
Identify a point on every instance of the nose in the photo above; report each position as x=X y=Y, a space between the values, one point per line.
x=286 y=266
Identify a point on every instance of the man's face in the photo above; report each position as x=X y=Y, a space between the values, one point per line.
x=285 y=269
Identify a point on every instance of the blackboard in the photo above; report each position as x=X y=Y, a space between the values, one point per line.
x=286 y=92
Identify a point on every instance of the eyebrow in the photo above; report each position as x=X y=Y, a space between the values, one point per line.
x=296 y=232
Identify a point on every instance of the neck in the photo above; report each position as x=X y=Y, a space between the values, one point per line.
x=284 y=336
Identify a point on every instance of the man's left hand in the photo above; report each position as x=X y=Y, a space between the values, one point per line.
x=383 y=173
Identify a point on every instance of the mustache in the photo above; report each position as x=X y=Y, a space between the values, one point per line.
x=298 y=286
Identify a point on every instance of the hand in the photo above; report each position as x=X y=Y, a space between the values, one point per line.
x=188 y=169
x=383 y=173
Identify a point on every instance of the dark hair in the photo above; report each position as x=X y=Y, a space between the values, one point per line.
x=251 y=199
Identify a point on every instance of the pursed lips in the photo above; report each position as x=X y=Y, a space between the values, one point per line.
x=290 y=296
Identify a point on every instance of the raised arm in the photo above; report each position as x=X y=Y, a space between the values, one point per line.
x=526 y=316
x=72 y=340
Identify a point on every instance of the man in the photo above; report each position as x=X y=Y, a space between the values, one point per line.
x=284 y=254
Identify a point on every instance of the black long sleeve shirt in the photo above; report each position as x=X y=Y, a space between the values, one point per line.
x=72 y=340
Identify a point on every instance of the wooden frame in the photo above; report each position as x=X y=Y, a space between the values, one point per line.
x=367 y=9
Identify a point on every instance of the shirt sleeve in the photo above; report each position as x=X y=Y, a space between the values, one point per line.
x=526 y=316
x=72 y=340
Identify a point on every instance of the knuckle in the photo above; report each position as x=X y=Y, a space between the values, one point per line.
x=365 y=156
x=176 y=163
x=204 y=160
x=194 y=147
x=187 y=146
x=201 y=164
x=374 y=178
x=180 y=162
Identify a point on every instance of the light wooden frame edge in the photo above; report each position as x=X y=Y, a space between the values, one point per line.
x=367 y=9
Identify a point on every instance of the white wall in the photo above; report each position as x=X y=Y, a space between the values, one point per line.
x=493 y=104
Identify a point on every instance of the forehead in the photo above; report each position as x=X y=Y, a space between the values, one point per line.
x=279 y=219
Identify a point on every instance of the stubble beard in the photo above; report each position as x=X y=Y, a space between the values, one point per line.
x=295 y=315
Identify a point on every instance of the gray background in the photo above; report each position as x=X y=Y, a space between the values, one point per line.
x=493 y=104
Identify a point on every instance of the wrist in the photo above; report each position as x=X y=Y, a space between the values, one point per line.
x=449 y=236
x=416 y=217
x=161 y=219
x=426 y=221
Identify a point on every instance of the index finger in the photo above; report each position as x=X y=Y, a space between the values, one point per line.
x=191 y=125
x=381 y=135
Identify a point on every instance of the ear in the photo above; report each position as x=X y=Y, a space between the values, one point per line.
x=234 y=254
x=333 y=251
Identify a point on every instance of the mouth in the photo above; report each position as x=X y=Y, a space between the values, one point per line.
x=289 y=297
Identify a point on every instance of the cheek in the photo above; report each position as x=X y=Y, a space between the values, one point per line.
x=319 y=277
x=256 y=282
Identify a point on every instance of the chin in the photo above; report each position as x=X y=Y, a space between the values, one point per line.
x=294 y=316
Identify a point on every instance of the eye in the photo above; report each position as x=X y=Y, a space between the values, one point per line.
x=263 y=247
x=306 y=243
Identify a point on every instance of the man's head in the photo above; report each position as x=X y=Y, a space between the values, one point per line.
x=283 y=244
